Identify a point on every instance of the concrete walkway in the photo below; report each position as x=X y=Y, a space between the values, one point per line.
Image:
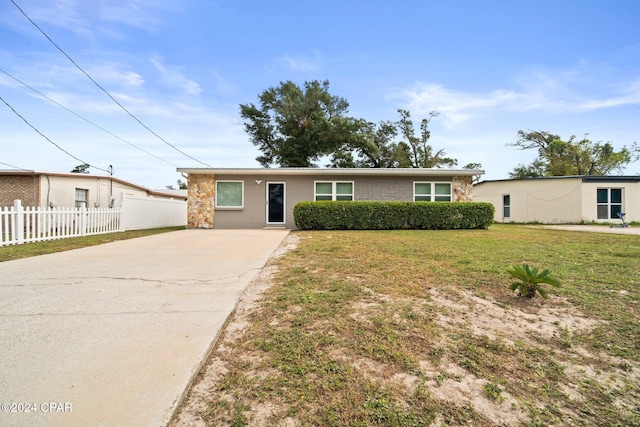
x=597 y=229
x=112 y=335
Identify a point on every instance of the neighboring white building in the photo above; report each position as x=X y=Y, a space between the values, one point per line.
x=563 y=199
x=52 y=189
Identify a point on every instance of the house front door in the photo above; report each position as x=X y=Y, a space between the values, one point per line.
x=276 y=203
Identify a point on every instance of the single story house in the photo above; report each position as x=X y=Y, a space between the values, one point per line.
x=52 y=189
x=563 y=199
x=265 y=197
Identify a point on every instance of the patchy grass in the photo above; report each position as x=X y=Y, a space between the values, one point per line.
x=419 y=328
x=8 y=253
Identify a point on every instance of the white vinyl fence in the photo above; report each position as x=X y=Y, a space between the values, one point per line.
x=20 y=224
x=148 y=212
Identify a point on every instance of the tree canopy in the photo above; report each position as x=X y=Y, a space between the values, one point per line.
x=293 y=126
x=373 y=147
x=296 y=127
x=421 y=154
x=557 y=157
x=182 y=185
x=82 y=168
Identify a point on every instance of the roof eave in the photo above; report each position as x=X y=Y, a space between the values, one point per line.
x=335 y=171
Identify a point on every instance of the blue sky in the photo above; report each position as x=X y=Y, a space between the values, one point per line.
x=183 y=67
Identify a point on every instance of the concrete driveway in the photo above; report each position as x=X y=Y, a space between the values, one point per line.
x=112 y=335
x=597 y=229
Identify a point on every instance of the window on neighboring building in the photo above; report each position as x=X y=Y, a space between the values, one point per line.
x=333 y=190
x=229 y=194
x=82 y=197
x=431 y=191
x=609 y=203
x=506 y=205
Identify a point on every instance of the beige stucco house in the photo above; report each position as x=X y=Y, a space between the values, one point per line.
x=563 y=200
x=265 y=197
x=35 y=188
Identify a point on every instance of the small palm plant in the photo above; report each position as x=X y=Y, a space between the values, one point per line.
x=530 y=280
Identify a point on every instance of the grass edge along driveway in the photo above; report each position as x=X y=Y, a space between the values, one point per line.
x=8 y=253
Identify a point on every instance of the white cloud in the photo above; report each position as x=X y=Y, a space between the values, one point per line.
x=114 y=72
x=144 y=14
x=563 y=93
x=454 y=106
x=86 y=18
x=174 y=76
x=627 y=96
x=301 y=63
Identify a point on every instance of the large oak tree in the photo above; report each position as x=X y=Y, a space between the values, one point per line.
x=295 y=127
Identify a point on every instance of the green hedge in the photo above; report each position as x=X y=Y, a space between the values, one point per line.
x=356 y=215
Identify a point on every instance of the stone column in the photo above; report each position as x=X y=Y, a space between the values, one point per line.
x=462 y=188
x=201 y=201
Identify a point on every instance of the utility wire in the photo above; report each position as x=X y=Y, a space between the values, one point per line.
x=14 y=167
x=45 y=137
x=104 y=90
x=85 y=119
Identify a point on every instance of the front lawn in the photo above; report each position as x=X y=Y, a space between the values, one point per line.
x=419 y=328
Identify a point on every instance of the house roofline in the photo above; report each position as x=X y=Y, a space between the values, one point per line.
x=334 y=171
x=24 y=172
x=583 y=178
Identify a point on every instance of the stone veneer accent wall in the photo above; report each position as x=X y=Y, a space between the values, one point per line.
x=462 y=188
x=201 y=201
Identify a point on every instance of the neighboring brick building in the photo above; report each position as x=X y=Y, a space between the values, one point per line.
x=22 y=187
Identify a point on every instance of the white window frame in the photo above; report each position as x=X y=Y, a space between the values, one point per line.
x=433 y=195
x=609 y=204
x=79 y=201
x=242 y=196
x=334 y=193
x=506 y=208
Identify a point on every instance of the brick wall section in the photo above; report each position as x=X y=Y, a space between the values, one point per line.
x=19 y=187
x=401 y=189
x=462 y=189
x=383 y=189
x=201 y=205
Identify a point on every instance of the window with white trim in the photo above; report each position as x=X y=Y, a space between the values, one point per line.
x=431 y=191
x=230 y=194
x=82 y=197
x=506 y=206
x=609 y=202
x=333 y=190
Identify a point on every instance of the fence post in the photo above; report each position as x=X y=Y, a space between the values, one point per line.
x=83 y=219
x=18 y=224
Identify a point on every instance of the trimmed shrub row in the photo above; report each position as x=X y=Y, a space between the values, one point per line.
x=370 y=215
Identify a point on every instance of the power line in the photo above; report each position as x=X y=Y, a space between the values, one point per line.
x=13 y=167
x=45 y=137
x=85 y=119
x=104 y=90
